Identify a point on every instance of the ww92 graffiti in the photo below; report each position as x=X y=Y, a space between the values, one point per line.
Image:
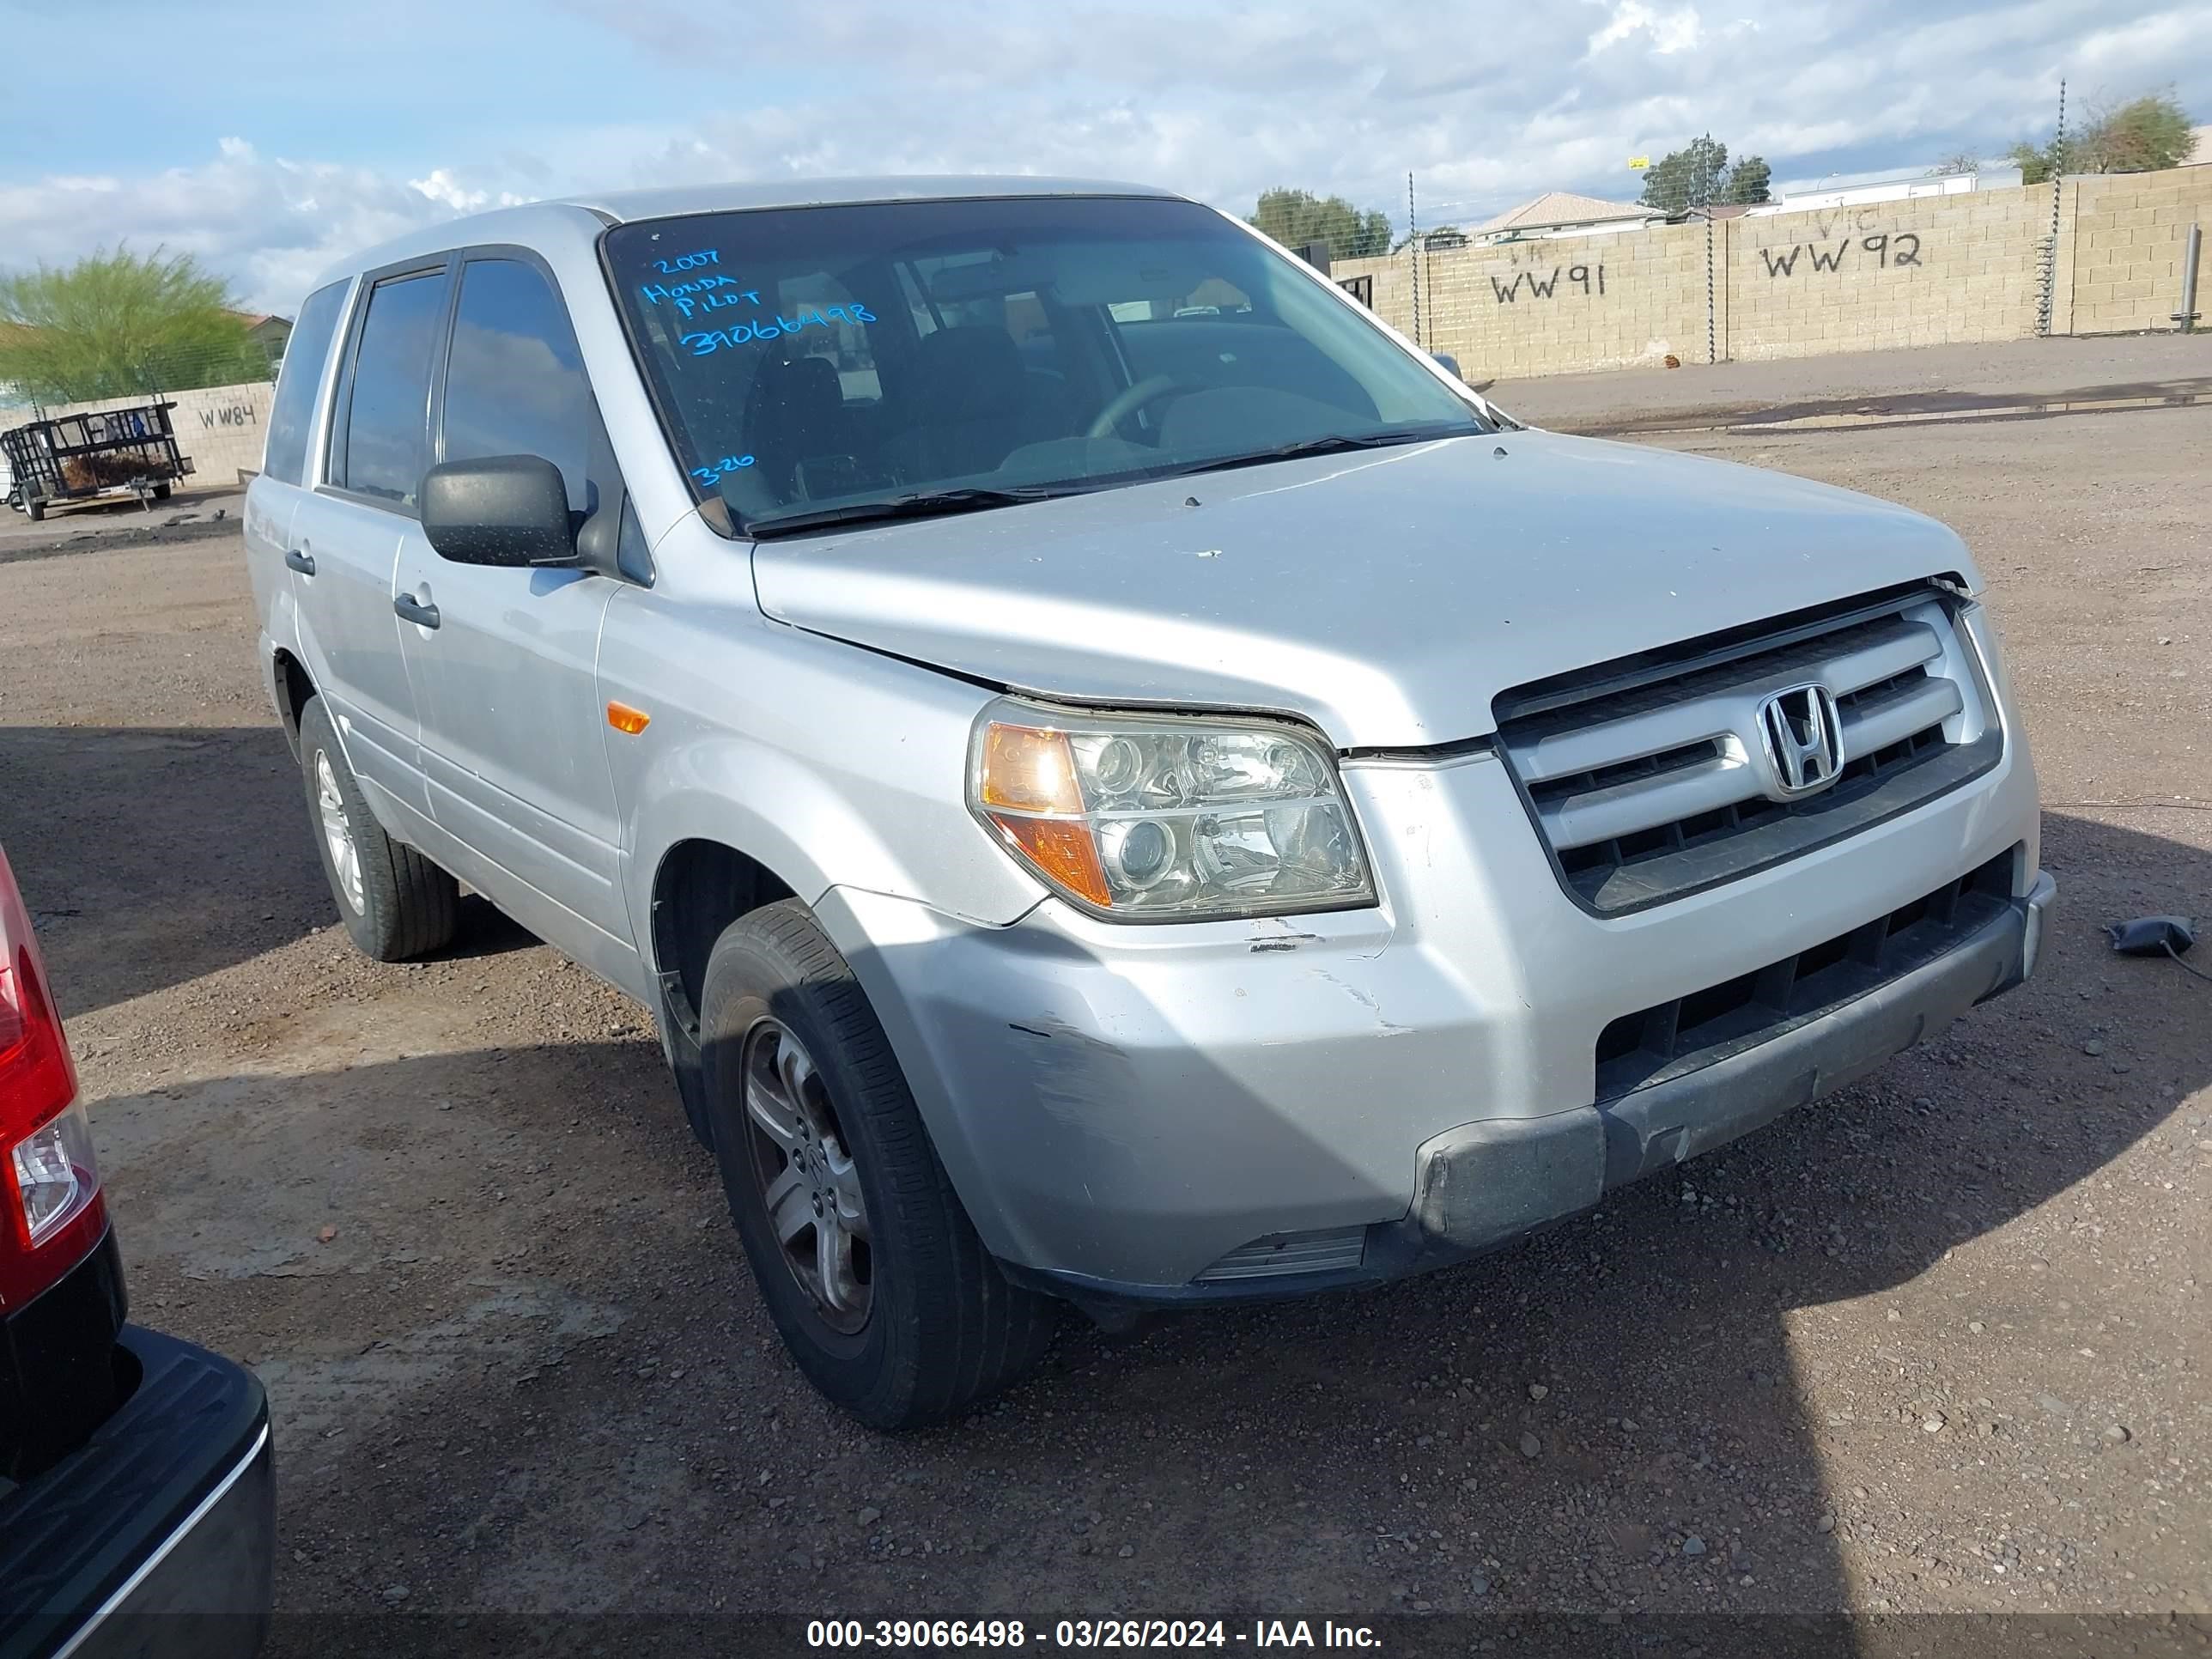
x=1902 y=249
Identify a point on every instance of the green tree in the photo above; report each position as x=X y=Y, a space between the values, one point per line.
x=2143 y=134
x=1295 y=217
x=122 y=324
x=2037 y=162
x=1749 y=182
x=1689 y=176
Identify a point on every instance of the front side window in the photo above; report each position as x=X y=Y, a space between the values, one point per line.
x=828 y=364
x=382 y=447
x=515 y=383
x=293 y=410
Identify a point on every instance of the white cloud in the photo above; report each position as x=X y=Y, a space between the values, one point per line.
x=1670 y=30
x=443 y=188
x=270 y=225
x=1486 y=105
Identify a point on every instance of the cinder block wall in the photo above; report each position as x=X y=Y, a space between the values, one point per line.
x=2133 y=228
x=222 y=428
x=1606 y=301
x=1927 y=272
x=1931 y=271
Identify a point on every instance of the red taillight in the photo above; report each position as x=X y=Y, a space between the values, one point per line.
x=50 y=1214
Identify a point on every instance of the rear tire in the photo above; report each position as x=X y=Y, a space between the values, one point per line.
x=395 y=903
x=161 y=491
x=916 y=1323
x=35 y=507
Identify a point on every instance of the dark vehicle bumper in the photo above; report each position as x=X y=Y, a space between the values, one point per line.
x=1486 y=1184
x=157 y=1536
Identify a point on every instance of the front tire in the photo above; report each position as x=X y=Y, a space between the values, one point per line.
x=870 y=1267
x=395 y=903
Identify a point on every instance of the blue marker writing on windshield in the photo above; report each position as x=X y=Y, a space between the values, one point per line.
x=713 y=473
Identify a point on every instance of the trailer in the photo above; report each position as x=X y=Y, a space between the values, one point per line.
x=127 y=450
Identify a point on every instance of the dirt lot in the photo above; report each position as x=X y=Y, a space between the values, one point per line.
x=1938 y=1346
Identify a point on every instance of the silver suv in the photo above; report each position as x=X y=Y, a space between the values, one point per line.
x=1121 y=780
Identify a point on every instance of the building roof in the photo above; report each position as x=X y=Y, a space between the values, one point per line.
x=1560 y=207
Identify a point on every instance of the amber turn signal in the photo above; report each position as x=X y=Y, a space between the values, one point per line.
x=1027 y=772
x=624 y=718
x=1028 y=769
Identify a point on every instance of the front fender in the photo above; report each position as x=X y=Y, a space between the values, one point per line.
x=865 y=812
x=822 y=833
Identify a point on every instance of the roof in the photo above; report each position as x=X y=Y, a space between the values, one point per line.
x=1561 y=207
x=823 y=192
x=1836 y=181
x=615 y=207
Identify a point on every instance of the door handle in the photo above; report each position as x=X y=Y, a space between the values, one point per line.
x=303 y=562
x=420 y=612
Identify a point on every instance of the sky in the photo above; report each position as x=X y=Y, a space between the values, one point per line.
x=273 y=137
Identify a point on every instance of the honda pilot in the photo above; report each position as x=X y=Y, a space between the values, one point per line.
x=1121 y=780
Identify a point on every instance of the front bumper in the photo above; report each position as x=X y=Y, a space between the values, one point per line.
x=158 y=1535
x=1486 y=1184
x=1134 y=1113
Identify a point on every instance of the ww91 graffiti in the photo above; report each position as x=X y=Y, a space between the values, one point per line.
x=1590 y=279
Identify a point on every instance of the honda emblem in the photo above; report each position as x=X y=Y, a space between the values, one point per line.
x=1803 y=736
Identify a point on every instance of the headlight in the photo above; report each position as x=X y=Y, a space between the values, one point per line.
x=1168 y=818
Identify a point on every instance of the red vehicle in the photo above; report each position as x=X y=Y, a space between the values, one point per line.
x=137 y=1497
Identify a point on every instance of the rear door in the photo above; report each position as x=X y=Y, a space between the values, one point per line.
x=351 y=531
x=272 y=563
x=513 y=729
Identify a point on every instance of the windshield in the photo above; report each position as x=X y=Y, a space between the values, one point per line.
x=815 y=364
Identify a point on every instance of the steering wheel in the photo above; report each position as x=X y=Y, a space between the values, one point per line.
x=1127 y=401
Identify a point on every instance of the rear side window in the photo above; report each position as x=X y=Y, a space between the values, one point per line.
x=293 y=410
x=514 y=379
x=383 y=447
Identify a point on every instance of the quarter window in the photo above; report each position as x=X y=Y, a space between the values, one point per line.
x=383 y=449
x=293 y=410
x=515 y=383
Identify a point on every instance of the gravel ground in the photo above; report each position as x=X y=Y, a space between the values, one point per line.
x=1938 y=1346
x=2137 y=365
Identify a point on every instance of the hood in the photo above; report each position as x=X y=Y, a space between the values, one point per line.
x=1385 y=596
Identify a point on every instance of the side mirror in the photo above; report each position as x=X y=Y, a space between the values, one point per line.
x=501 y=510
x=1451 y=363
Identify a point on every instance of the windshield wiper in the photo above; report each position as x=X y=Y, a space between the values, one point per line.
x=926 y=504
x=1334 y=443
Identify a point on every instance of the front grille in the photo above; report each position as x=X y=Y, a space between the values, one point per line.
x=1656 y=1044
x=1650 y=779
